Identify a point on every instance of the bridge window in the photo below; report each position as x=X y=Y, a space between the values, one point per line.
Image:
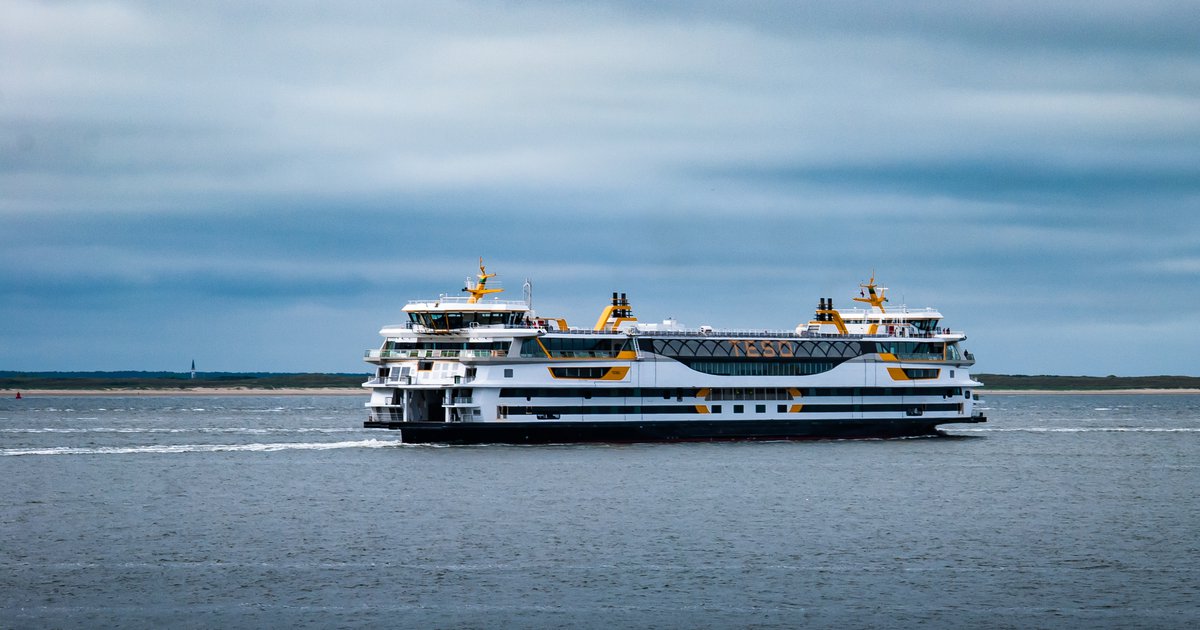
x=579 y=372
x=574 y=348
x=454 y=320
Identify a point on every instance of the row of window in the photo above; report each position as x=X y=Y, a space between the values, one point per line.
x=452 y=321
x=445 y=345
x=751 y=348
x=579 y=372
x=760 y=368
x=916 y=350
x=602 y=410
x=574 y=348
x=724 y=393
x=749 y=393
x=591 y=347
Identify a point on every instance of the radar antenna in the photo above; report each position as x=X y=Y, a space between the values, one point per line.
x=870 y=296
x=479 y=289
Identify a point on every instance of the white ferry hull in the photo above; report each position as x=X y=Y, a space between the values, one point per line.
x=543 y=432
x=466 y=371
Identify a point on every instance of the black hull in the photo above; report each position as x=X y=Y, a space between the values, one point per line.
x=660 y=431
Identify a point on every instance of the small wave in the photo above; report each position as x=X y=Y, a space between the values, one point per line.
x=199 y=448
x=220 y=430
x=1081 y=430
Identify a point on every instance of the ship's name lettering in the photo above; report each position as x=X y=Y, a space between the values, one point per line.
x=764 y=348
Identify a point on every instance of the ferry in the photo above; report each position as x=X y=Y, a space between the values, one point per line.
x=476 y=369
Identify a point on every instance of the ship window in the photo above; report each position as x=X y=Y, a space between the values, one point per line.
x=758 y=393
x=508 y=372
x=531 y=348
x=781 y=408
x=573 y=348
x=716 y=408
x=739 y=408
x=579 y=372
x=760 y=368
x=760 y=409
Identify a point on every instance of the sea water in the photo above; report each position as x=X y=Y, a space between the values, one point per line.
x=261 y=511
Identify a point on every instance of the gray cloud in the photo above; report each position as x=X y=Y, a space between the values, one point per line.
x=185 y=171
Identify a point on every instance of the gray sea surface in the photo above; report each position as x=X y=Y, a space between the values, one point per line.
x=1062 y=511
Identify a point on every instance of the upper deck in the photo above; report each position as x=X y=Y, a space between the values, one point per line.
x=473 y=318
x=463 y=303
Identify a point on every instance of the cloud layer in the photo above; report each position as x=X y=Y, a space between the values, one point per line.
x=180 y=180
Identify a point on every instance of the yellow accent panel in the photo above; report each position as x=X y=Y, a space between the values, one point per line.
x=873 y=329
x=604 y=315
x=627 y=355
x=795 y=392
x=898 y=374
x=795 y=408
x=622 y=320
x=611 y=373
x=841 y=325
x=887 y=356
x=615 y=374
x=701 y=408
x=703 y=393
x=838 y=322
x=562 y=323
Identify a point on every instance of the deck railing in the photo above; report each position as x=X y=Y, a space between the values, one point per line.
x=434 y=354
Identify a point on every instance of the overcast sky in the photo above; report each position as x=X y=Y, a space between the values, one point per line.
x=262 y=185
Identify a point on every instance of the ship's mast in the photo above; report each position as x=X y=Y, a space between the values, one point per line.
x=871 y=297
x=479 y=289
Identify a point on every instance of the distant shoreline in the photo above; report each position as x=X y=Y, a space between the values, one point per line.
x=358 y=391
x=347 y=384
x=194 y=391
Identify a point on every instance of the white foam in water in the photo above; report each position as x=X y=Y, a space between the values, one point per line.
x=233 y=430
x=199 y=448
x=1083 y=429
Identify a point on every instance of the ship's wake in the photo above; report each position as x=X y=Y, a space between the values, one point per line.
x=199 y=448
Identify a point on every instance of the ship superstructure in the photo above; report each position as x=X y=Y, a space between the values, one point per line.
x=477 y=369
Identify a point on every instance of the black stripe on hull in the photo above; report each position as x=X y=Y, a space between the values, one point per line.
x=660 y=431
